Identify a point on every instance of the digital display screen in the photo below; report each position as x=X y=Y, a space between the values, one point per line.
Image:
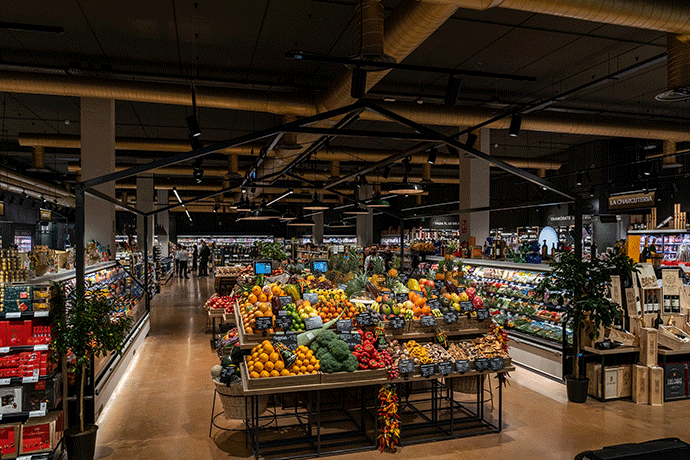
x=319 y=266
x=262 y=267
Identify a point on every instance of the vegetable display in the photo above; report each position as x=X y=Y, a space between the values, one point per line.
x=333 y=354
x=388 y=419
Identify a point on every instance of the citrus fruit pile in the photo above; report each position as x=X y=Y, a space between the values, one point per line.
x=265 y=361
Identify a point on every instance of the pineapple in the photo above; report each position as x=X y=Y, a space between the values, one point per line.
x=395 y=264
x=378 y=266
x=356 y=284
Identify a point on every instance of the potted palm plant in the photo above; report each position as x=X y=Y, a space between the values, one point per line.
x=86 y=327
x=579 y=287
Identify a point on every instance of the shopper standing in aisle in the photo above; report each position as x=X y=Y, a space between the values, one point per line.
x=387 y=257
x=176 y=256
x=183 y=256
x=204 y=255
x=195 y=256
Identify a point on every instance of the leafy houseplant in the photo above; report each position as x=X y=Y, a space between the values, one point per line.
x=579 y=286
x=86 y=327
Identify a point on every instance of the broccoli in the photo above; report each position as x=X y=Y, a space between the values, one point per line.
x=321 y=352
x=325 y=337
x=350 y=364
x=329 y=364
x=333 y=354
x=339 y=349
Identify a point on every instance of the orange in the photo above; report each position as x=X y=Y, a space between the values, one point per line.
x=264 y=306
x=263 y=357
x=269 y=366
x=256 y=290
x=279 y=366
x=317 y=366
x=264 y=374
x=262 y=297
x=252 y=298
x=426 y=310
x=285 y=372
x=258 y=366
x=303 y=369
x=248 y=330
x=253 y=375
x=310 y=368
x=275 y=357
x=274 y=373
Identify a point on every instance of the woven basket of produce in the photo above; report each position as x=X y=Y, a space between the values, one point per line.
x=235 y=404
x=468 y=385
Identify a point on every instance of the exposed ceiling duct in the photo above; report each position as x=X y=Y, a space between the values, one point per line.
x=18 y=183
x=678 y=65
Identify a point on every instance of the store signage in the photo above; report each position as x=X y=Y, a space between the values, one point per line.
x=314 y=322
x=466 y=306
x=428 y=320
x=633 y=200
x=397 y=322
x=311 y=297
x=481 y=364
x=462 y=365
x=284 y=322
x=363 y=319
x=406 y=366
x=46 y=215
x=482 y=314
x=445 y=367
x=285 y=300
x=352 y=339
x=433 y=303
x=439 y=284
x=264 y=322
x=289 y=340
x=497 y=364
x=401 y=297
x=444 y=223
x=427 y=370
x=343 y=325
x=451 y=317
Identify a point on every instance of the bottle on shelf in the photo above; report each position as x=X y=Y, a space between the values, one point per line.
x=658 y=321
x=553 y=249
x=656 y=302
x=544 y=250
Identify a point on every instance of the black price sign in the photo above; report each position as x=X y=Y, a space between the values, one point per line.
x=342 y=286
x=284 y=322
x=397 y=322
x=285 y=300
x=451 y=317
x=428 y=320
x=462 y=366
x=314 y=322
x=311 y=297
x=466 y=306
x=497 y=364
x=401 y=297
x=352 y=339
x=403 y=278
x=289 y=340
x=420 y=293
x=481 y=364
x=433 y=303
x=263 y=323
x=436 y=292
x=445 y=367
x=363 y=319
x=406 y=366
x=427 y=370
x=343 y=325
x=482 y=314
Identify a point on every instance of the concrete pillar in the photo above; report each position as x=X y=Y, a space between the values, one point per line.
x=317 y=232
x=365 y=223
x=98 y=159
x=163 y=221
x=474 y=192
x=145 y=193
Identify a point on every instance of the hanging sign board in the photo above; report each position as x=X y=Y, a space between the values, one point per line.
x=633 y=200
x=444 y=223
x=46 y=215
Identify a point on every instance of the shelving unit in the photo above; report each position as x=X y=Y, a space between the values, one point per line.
x=666 y=241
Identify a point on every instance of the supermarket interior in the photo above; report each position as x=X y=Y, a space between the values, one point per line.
x=346 y=228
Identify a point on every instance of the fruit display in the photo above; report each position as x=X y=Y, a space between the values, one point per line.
x=423 y=247
x=333 y=353
x=226 y=302
x=265 y=361
x=234 y=270
x=297 y=320
x=230 y=338
x=533 y=327
x=332 y=302
x=369 y=357
x=228 y=370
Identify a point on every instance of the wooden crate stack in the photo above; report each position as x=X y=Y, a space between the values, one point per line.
x=651 y=219
x=679 y=217
x=647 y=377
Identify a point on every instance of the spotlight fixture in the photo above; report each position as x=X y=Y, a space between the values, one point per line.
x=196 y=143
x=378 y=202
x=301 y=221
x=44 y=198
x=579 y=180
x=315 y=205
x=387 y=171
x=515 y=123
x=244 y=205
x=263 y=212
x=286 y=194
x=215 y=209
x=288 y=216
x=193 y=125
x=359 y=83
x=197 y=171
x=406 y=188
x=433 y=152
x=452 y=90
x=646 y=169
x=591 y=192
x=471 y=140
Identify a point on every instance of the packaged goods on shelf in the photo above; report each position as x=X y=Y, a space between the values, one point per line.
x=42 y=434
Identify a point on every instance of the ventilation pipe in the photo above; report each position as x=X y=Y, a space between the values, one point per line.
x=669 y=160
x=678 y=65
x=335 y=169
x=38 y=159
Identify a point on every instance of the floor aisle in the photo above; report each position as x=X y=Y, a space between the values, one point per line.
x=162 y=407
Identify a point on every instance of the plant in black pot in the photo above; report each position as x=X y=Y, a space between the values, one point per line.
x=86 y=327
x=579 y=287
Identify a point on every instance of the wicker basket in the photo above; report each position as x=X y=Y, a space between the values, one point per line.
x=467 y=384
x=234 y=402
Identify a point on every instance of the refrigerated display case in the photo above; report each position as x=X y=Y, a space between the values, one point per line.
x=667 y=242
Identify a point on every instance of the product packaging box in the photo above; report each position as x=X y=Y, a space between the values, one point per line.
x=611 y=382
x=18 y=332
x=16 y=306
x=656 y=386
x=10 y=400
x=19 y=293
x=41 y=434
x=43 y=395
x=594 y=376
x=675 y=380
x=9 y=439
x=640 y=383
x=649 y=339
x=625 y=381
x=4 y=342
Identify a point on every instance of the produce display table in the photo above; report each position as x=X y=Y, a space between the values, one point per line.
x=630 y=354
x=214 y=313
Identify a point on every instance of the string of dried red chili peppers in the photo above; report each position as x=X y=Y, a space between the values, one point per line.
x=389 y=419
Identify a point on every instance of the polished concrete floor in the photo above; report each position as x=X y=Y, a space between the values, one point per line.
x=162 y=407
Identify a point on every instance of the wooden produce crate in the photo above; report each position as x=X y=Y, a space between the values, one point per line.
x=673 y=338
x=279 y=382
x=359 y=375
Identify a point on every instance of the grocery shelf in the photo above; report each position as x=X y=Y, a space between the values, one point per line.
x=23 y=415
x=23 y=380
x=42 y=347
x=25 y=314
x=506 y=265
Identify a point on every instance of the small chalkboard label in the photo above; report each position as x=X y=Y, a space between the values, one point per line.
x=428 y=320
x=289 y=340
x=445 y=367
x=433 y=303
x=406 y=366
x=363 y=319
x=403 y=278
x=466 y=306
x=342 y=286
x=397 y=322
x=482 y=314
x=462 y=366
x=263 y=323
x=311 y=297
x=344 y=325
x=314 y=322
x=497 y=364
x=439 y=284
x=401 y=297
x=427 y=370
x=451 y=317
x=481 y=364
x=351 y=338
x=285 y=300
x=420 y=293
x=436 y=292
x=284 y=322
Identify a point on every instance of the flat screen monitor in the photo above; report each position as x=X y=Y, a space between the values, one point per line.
x=320 y=266
x=262 y=267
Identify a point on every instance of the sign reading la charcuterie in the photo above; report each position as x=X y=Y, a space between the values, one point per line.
x=633 y=200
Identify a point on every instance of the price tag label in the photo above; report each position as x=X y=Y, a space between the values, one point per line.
x=363 y=319
x=5 y=381
x=406 y=366
x=433 y=303
x=451 y=317
x=445 y=367
x=397 y=322
x=462 y=366
x=497 y=364
x=285 y=300
x=284 y=322
x=342 y=286
x=428 y=320
x=263 y=323
x=481 y=364
x=439 y=284
x=30 y=379
x=401 y=297
x=466 y=306
x=4 y=349
x=311 y=297
x=420 y=293
x=427 y=370
x=42 y=313
x=314 y=322
x=436 y=292
x=37 y=413
x=343 y=325
x=351 y=338
x=13 y=315
x=482 y=314
x=289 y=340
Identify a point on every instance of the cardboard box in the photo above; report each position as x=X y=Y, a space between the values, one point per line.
x=656 y=386
x=675 y=380
x=610 y=382
x=594 y=376
x=41 y=434
x=625 y=381
x=649 y=339
x=43 y=395
x=10 y=400
x=9 y=439
x=640 y=384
